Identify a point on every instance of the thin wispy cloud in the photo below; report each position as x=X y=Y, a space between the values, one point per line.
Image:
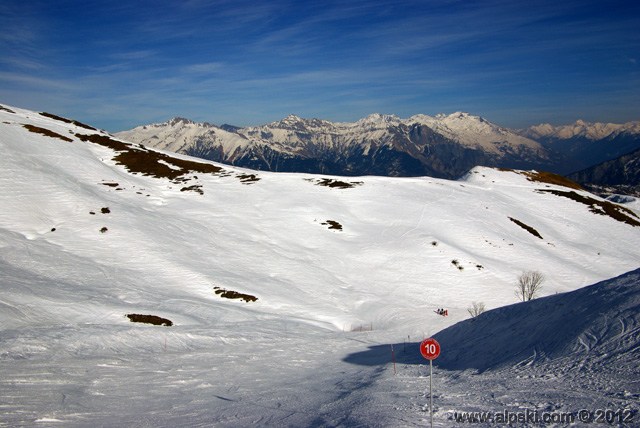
x=246 y=62
x=133 y=55
x=22 y=62
x=36 y=82
x=203 y=68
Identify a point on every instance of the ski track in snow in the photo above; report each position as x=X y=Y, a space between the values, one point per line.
x=315 y=349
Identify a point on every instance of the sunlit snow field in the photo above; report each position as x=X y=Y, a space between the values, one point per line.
x=84 y=242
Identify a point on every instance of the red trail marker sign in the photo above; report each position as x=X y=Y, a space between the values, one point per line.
x=430 y=349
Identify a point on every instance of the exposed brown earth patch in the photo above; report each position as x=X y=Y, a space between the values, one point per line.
x=138 y=159
x=546 y=177
x=606 y=208
x=248 y=178
x=193 y=188
x=149 y=319
x=65 y=120
x=47 y=132
x=330 y=182
x=526 y=227
x=332 y=224
x=7 y=109
x=230 y=294
x=550 y=178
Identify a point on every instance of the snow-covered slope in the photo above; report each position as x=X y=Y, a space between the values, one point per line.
x=93 y=229
x=570 y=357
x=590 y=328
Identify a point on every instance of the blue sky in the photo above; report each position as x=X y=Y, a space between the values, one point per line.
x=120 y=64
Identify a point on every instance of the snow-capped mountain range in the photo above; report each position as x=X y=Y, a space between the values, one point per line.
x=584 y=145
x=440 y=146
x=581 y=129
x=298 y=299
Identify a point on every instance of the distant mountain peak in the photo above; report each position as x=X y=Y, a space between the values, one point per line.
x=381 y=116
x=460 y=115
x=293 y=118
x=179 y=121
x=464 y=116
x=297 y=123
x=230 y=128
x=379 y=119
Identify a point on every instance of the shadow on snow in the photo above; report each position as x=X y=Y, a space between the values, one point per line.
x=598 y=323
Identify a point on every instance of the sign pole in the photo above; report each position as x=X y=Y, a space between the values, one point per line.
x=430 y=349
x=431 y=392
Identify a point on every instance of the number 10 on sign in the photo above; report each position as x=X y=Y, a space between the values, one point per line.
x=430 y=349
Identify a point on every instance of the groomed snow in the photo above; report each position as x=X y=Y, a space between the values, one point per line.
x=315 y=348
